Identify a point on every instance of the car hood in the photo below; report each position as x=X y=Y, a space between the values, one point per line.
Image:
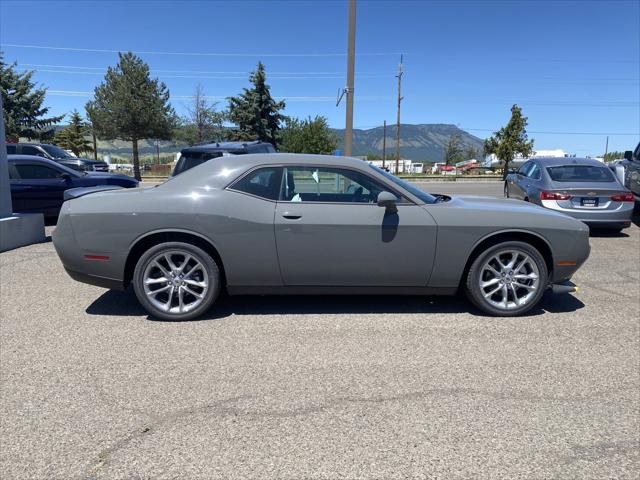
x=501 y=205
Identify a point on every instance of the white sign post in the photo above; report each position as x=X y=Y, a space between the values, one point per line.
x=16 y=230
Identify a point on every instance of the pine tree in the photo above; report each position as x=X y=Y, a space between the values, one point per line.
x=24 y=115
x=255 y=112
x=130 y=106
x=73 y=137
x=511 y=140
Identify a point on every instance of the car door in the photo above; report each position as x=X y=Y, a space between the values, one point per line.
x=331 y=232
x=41 y=187
x=17 y=190
x=516 y=190
x=531 y=184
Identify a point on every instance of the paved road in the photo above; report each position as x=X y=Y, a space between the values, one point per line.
x=326 y=387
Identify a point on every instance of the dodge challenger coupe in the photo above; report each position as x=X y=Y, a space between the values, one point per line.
x=312 y=224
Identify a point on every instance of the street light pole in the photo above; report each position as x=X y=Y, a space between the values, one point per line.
x=351 y=60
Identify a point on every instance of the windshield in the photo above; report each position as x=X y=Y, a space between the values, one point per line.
x=580 y=173
x=56 y=152
x=424 y=196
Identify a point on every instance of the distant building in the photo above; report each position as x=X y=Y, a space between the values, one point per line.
x=491 y=161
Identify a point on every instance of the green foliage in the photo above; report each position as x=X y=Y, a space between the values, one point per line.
x=202 y=122
x=453 y=152
x=613 y=156
x=73 y=137
x=375 y=156
x=130 y=106
x=308 y=136
x=511 y=140
x=24 y=115
x=255 y=112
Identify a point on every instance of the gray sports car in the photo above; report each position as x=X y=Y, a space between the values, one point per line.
x=580 y=187
x=310 y=224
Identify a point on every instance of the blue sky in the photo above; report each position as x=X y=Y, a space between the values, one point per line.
x=573 y=66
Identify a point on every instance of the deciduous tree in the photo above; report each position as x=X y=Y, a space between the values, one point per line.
x=453 y=150
x=308 y=136
x=203 y=121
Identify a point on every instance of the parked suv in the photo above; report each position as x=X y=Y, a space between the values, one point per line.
x=194 y=156
x=57 y=154
x=628 y=171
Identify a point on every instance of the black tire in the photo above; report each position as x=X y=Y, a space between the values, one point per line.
x=472 y=280
x=506 y=191
x=208 y=263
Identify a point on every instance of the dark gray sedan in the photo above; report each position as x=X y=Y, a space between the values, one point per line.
x=580 y=187
x=311 y=224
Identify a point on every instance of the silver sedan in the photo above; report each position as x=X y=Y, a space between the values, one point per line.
x=310 y=224
x=580 y=187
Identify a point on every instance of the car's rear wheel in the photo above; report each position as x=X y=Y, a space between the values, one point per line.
x=176 y=281
x=508 y=279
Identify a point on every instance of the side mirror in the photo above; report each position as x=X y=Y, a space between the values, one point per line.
x=388 y=200
x=628 y=155
x=65 y=176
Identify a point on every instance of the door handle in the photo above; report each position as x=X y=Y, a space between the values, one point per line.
x=291 y=215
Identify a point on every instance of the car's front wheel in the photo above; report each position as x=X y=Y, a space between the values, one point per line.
x=508 y=279
x=176 y=281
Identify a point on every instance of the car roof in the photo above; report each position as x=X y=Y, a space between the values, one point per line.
x=31 y=158
x=560 y=161
x=215 y=146
x=218 y=172
x=297 y=158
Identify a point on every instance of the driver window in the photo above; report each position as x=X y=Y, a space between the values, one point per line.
x=334 y=185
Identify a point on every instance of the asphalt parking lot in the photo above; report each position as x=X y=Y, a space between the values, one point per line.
x=321 y=387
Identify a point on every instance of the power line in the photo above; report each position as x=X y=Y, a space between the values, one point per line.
x=206 y=72
x=217 y=77
x=323 y=98
x=554 y=133
x=194 y=54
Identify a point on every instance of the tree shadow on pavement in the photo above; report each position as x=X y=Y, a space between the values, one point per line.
x=117 y=303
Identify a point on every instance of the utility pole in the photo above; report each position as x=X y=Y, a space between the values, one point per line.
x=384 y=143
x=399 y=75
x=351 y=60
x=606 y=149
x=95 y=144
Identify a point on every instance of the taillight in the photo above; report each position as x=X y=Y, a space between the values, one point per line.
x=554 y=196
x=623 y=197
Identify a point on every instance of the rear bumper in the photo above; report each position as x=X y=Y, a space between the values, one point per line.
x=618 y=218
x=103 y=282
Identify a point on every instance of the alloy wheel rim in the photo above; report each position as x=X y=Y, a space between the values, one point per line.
x=509 y=279
x=175 y=281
